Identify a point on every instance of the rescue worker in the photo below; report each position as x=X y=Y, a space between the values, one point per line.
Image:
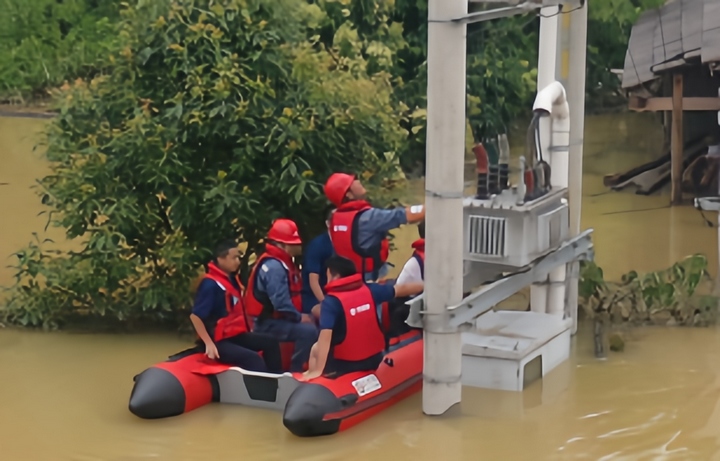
x=351 y=336
x=313 y=269
x=414 y=268
x=274 y=293
x=220 y=320
x=358 y=231
x=412 y=271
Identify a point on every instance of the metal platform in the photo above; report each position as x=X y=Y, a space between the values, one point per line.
x=508 y=350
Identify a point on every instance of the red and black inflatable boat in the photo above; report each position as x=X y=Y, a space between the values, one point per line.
x=323 y=406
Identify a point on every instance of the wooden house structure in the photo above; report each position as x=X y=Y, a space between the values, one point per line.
x=672 y=66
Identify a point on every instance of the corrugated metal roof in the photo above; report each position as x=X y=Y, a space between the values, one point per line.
x=711 y=31
x=692 y=28
x=672 y=36
x=639 y=56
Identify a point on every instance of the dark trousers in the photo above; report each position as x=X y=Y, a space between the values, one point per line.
x=304 y=335
x=242 y=351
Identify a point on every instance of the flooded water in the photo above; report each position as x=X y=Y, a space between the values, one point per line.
x=64 y=396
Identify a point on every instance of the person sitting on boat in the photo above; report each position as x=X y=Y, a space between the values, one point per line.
x=412 y=271
x=414 y=268
x=274 y=293
x=351 y=335
x=313 y=270
x=358 y=231
x=220 y=320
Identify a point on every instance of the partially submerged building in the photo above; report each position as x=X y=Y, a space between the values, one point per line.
x=672 y=66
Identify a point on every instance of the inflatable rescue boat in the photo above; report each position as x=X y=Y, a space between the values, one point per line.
x=322 y=406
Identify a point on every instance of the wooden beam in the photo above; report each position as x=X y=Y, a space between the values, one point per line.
x=677 y=142
x=639 y=104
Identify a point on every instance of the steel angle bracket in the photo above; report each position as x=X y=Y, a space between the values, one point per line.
x=708 y=203
x=478 y=303
x=515 y=7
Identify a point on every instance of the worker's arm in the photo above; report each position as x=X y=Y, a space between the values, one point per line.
x=415 y=214
x=274 y=281
x=315 y=286
x=201 y=310
x=409 y=289
x=322 y=351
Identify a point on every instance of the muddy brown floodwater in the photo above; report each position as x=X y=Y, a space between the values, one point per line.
x=64 y=396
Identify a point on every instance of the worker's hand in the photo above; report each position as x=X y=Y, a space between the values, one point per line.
x=306 y=318
x=316 y=311
x=308 y=375
x=211 y=350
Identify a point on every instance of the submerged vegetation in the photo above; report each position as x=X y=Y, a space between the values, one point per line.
x=678 y=295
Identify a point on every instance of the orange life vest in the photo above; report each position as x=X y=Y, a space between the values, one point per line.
x=262 y=307
x=343 y=233
x=235 y=322
x=364 y=336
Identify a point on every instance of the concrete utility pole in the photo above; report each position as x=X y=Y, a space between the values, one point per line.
x=577 y=41
x=447 y=42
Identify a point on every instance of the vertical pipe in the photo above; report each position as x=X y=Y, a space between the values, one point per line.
x=576 y=101
x=447 y=42
x=547 y=62
x=560 y=178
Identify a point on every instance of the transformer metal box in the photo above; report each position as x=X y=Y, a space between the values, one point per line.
x=502 y=236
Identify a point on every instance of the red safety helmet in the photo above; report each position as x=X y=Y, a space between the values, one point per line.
x=284 y=231
x=337 y=187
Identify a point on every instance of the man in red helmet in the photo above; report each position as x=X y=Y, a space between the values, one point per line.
x=359 y=231
x=274 y=295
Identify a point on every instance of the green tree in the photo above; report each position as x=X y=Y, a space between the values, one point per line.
x=44 y=42
x=609 y=25
x=392 y=36
x=215 y=118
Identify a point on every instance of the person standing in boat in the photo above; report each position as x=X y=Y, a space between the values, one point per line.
x=351 y=335
x=358 y=231
x=220 y=320
x=274 y=293
x=314 y=271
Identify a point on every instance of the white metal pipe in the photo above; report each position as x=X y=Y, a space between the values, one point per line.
x=576 y=100
x=547 y=46
x=547 y=62
x=552 y=101
x=447 y=42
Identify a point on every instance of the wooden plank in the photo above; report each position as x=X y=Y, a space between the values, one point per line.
x=677 y=144
x=639 y=104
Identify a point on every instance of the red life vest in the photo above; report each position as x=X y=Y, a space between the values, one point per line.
x=261 y=307
x=363 y=333
x=419 y=255
x=235 y=322
x=343 y=233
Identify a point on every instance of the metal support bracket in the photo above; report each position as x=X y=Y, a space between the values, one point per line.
x=512 y=10
x=478 y=303
x=708 y=203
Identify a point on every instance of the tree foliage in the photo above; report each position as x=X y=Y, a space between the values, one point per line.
x=609 y=26
x=215 y=118
x=44 y=42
